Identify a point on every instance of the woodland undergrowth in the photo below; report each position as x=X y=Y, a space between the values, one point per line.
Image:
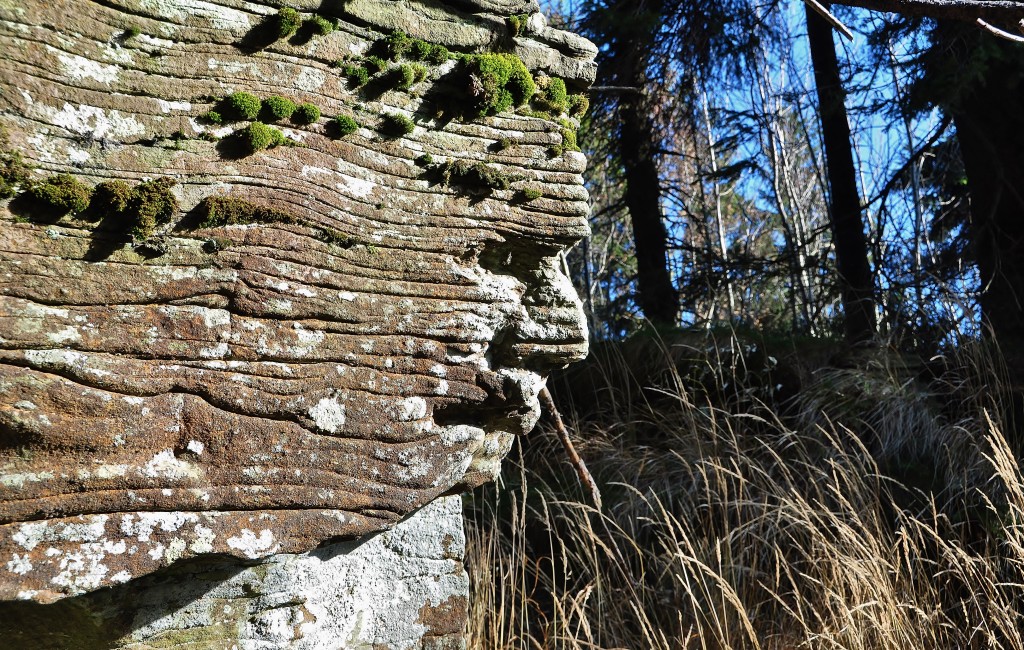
x=759 y=498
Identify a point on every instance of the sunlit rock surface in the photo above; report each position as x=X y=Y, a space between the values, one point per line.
x=240 y=407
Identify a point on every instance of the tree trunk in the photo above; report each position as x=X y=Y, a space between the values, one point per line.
x=657 y=295
x=855 y=281
x=989 y=119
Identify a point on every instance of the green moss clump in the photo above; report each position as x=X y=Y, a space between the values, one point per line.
x=403 y=76
x=335 y=237
x=424 y=160
x=499 y=82
x=243 y=105
x=569 y=143
x=306 y=114
x=530 y=194
x=62 y=193
x=219 y=211
x=420 y=50
x=517 y=23
x=13 y=170
x=555 y=96
x=356 y=75
x=278 y=108
x=110 y=199
x=398 y=44
x=419 y=72
x=151 y=204
x=578 y=105
x=375 y=64
x=132 y=32
x=346 y=125
x=472 y=175
x=257 y=136
x=320 y=26
x=396 y=125
x=438 y=54
x=212 y=117
x=288 y=22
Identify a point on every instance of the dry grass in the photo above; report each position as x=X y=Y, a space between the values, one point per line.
x=875 y=512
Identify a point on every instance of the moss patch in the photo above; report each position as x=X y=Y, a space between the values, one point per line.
x=277 y=108
x=320 y=26
x=13 y=170
x=345 y=125
x=216 y=211
x=306 y=114
x=396 y=125
x=499 y=82
x=151 y=204
x=257 y=136
x=288 y=22
x=60 y=194
x=243 y=105
x=475 y=177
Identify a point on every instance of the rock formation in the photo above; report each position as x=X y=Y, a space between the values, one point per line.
x=273 y=280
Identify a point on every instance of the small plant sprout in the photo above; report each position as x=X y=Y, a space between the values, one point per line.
x=306 y=114
x=288 y=22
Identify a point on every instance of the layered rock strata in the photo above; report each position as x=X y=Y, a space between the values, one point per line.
x=265 y=340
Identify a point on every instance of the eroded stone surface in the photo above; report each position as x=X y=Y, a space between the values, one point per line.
x=258 y=389
x=405 y=588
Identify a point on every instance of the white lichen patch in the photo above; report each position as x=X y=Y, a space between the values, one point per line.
x=79 y=68
x=93 y=122
x=165 y=465
x=167 y=107
x=409 y=409
x=328 y=415
x=310 y=80
x=217 y=15
x=357 y=187
x=251 y=545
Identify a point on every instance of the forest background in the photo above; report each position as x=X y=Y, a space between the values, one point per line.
x=803 y=286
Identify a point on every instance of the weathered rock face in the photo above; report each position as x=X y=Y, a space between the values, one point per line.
x=275 y=347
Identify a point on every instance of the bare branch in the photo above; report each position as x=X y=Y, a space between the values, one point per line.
x=996 y=10
x=830 y=18
x=1001 y=33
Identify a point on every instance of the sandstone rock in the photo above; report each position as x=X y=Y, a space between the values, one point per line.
x=367 y=340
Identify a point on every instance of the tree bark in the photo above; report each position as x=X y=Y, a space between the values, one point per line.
x=855 y=280
x=637 y=146
x=989 y=119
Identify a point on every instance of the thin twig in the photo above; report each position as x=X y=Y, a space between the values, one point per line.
x=1001 y=33
x=586 y=478
x=830 y=18
x=621 y=90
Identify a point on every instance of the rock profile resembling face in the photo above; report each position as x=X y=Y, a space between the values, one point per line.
x=305 y=342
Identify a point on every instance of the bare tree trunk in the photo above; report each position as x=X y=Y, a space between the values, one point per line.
x=855 y=280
